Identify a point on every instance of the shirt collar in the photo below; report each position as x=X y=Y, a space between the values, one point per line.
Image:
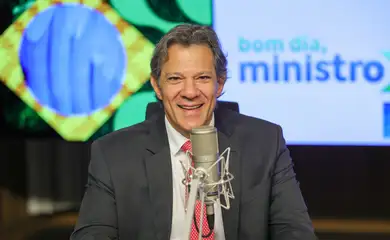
x=175 y=139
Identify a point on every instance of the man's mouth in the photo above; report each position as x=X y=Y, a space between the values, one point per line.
x=192 y=107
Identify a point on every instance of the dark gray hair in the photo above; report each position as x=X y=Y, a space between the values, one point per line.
x=186 y=35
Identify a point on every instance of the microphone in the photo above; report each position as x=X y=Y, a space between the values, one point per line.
x=205 y=154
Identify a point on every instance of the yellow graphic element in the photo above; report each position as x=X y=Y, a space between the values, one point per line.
x=75 y=128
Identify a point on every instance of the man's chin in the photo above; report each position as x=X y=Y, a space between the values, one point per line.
x=190 y=125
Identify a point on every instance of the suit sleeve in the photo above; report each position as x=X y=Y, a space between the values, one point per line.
x=97 y=216
x=289 y=218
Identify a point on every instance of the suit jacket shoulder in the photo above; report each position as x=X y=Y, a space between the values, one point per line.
x=251 y=129
x=127 y=133
x=130 y=138
x=257 y=124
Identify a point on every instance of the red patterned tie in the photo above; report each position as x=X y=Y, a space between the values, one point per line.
x=206 y=230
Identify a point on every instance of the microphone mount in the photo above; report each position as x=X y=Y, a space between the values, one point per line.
x=196 y=180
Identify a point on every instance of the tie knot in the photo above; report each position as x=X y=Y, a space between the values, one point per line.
x=187 y=147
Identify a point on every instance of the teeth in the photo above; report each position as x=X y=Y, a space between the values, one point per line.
x=190 y=108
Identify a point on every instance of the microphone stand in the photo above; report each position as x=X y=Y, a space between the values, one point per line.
x=197 y=185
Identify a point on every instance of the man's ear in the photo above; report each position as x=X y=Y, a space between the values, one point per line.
x=156 y=87
x=220 y=85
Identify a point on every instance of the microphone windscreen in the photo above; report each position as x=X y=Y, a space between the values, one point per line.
x=204 y=141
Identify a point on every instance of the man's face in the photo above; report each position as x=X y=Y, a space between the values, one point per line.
x=188 y=86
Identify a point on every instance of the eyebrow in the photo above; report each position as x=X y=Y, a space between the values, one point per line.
x=173 y=73
x=180 y=74
x=204 y=72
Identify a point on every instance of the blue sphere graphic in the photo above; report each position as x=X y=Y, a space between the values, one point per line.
x=73 y=59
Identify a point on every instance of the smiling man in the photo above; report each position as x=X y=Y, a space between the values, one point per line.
x=135 y=188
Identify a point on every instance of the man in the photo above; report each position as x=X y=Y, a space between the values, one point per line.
x=135 y=188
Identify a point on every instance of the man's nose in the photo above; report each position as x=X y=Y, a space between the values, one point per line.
x=190 y=89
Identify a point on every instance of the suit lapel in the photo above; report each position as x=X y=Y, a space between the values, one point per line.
x=159 y=175
x=225 y=126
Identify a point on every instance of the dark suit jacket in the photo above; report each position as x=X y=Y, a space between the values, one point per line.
x=129 y=190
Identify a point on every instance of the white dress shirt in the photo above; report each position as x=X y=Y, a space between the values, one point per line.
x=176 y=140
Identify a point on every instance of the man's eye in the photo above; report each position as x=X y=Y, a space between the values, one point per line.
x=204 y=77
x=173 y=78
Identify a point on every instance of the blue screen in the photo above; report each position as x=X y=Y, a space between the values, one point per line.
x=320 y=69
